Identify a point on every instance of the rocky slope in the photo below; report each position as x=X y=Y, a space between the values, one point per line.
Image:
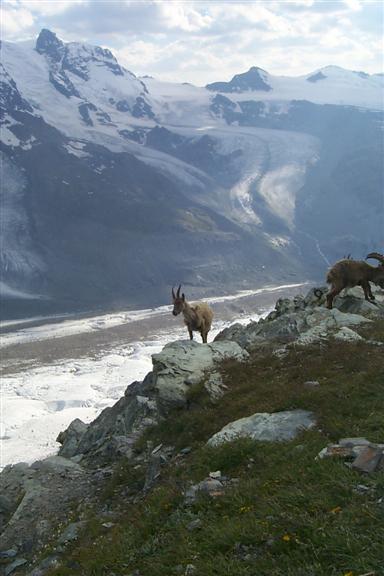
x=47 y=502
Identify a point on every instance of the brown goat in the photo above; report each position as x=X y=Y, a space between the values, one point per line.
x=348 y=273
x=197 y=318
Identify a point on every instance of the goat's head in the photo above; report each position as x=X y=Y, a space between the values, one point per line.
x=178 y=301
x=377 y=256
x=379 y=277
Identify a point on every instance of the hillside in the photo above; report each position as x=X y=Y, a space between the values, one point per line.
x=116 y=187
x=151 y=488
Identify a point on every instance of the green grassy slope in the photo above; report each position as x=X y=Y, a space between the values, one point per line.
x=287 y=514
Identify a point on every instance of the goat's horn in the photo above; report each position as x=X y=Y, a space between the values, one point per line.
x=178 y=291
x=377 y=256
x=173 y=292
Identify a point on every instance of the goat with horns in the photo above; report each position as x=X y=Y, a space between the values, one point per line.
x=348 y=273
x=197 y=318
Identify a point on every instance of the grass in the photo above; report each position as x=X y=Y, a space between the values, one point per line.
x=288 y=514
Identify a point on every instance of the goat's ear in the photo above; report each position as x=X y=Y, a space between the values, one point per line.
x=183 y=297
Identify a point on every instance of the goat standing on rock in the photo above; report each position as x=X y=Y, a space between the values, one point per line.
x=348 y=273
x=197 y=318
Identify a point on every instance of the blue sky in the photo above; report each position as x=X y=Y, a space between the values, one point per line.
x=205 y=41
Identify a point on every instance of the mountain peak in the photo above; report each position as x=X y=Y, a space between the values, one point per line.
x=255 y=79
x=48 y=43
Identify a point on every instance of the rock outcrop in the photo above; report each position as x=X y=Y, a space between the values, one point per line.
x=305 y=320
x=275 y=427
x=176 y=368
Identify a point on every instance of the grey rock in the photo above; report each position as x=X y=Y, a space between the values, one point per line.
x=194 y=525
x=368 y=460
x=215 y=386
x=153 y=471
x=209 y=486
x=351 y=442
x=15 y=564
x=70 y=437
x=307 y=320
x=347 y=334
x=56 y=464
x=312 y=383
x=278 y=426
x=11 y=553
x=174 y=366
x=71 y=532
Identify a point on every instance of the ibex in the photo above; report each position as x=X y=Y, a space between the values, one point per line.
x=197 y=318
x=348 y=273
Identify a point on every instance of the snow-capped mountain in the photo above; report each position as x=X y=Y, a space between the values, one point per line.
x=115 y=187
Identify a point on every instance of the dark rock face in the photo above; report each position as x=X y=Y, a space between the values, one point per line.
x=316 y=77
x=48 y=43
x=10 y=98
x=251 y=80
x=141 y=109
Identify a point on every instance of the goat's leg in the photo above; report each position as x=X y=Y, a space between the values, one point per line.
x=367 y=290
x=371 y=296
x=190 y=334
x=330 y=296
x=204 y=337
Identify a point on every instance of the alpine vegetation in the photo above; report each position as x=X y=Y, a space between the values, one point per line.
x=348 y=273
x=197 y=318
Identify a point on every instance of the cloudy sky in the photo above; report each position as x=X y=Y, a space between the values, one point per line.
x=204 y=41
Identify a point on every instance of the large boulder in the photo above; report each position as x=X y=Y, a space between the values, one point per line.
x=37 y=497
x=183 y=363
x=265 y=427
x=178 y=366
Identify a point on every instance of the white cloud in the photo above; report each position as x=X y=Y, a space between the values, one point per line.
x=15 y=19
x=354 y=5
x=202 y=41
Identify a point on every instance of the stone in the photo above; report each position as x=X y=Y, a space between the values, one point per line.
x=274 y=427
x=190 y=569
x=306 y=321
x=56 y=464
x=335 y=451
x=194 y=525
x=71 y=437
x=215 y=475
x=108 y=525
x=71 y=532
x=6 y=505
x=180 y=361
x=15 y=564
x=350 y=442
x=368 y=460
x=215 y=386
x=312 y=383
x=347 y=334
x=208 y=486
x=11 y=553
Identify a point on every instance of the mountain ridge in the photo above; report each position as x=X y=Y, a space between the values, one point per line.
x=238 y=178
